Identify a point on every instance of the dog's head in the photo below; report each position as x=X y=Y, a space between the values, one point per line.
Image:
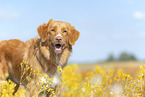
x=57 y=35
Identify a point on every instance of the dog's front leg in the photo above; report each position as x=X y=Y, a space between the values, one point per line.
x=63 y=58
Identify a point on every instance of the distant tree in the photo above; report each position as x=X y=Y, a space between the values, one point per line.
x=110 y=58
x=126 y=57
x=123 y=57
x=132 y=58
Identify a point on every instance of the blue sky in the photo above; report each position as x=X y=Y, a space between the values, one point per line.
x=105 y=26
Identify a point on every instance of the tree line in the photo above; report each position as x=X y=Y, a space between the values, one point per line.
x=124 y=56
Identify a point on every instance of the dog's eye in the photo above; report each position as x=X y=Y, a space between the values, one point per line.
x=53 y=30
x=64 y=31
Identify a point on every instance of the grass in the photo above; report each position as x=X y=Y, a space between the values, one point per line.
x=111 y=79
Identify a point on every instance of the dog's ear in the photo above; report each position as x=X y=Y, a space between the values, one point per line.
x=42 y=30
x=74 y=35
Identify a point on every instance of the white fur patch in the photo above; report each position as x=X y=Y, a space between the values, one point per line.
x=55 y=80
x=2 y=81
x=58 y=35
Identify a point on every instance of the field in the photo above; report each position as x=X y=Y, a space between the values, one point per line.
x=114 y=79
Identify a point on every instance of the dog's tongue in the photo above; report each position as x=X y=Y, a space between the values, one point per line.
x=57 y=49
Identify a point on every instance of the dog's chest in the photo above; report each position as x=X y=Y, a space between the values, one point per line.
x=47 y=61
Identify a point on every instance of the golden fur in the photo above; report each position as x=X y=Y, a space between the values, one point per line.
x=41 y=52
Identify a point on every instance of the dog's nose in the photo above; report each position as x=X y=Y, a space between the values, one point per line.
x=58 y=39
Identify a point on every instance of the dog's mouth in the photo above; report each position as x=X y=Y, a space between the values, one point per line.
x=58 y=47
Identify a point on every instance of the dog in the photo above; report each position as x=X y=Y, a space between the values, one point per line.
x=50 y=49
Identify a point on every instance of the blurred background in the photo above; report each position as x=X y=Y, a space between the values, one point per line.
x=110 y=30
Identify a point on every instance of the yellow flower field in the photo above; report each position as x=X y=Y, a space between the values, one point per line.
x=101 y=81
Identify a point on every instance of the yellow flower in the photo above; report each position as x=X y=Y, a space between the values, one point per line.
x=6 y=75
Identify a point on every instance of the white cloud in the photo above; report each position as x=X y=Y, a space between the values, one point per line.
x=139 y=15
x=7 y=15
